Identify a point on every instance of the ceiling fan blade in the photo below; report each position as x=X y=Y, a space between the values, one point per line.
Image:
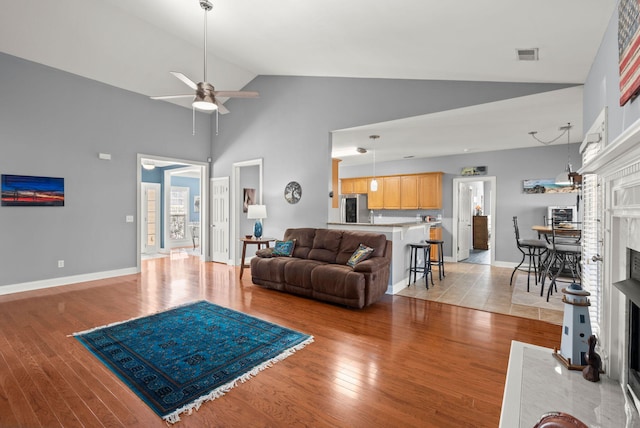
x=170 y=97
x=190 y=83
x=236 y=94
x=221 y=108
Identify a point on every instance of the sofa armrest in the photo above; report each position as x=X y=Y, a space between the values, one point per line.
x=371 y=265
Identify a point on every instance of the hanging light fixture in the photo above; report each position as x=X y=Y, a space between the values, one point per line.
x=374 y=182
x=563 y=178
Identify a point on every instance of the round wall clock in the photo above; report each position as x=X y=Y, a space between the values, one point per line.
x=293 y=192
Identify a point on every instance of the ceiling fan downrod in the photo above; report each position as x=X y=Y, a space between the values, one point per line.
x=206 y=6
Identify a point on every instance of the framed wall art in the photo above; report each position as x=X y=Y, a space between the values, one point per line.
x=32 y=191
x=546 y=185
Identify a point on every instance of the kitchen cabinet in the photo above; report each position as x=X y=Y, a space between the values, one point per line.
x=354 y=185
x=391 y=195
x=430 y=191
x=480 y=232
x=409 y=192
x=375 y=200
x=399 y=192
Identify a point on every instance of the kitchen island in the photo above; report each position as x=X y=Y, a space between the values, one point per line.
x=400 y=234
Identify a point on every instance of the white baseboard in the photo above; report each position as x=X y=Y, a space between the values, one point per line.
x=66 y=280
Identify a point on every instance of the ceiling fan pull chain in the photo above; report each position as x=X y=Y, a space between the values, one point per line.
x=216 y=122
x=193 y=126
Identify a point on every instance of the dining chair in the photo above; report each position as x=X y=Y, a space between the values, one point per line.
x=531 y=248
x=565 y=250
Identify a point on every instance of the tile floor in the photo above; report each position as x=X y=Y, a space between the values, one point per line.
x=483 y=287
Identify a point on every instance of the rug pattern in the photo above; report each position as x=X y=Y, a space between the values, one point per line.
x=177 y=359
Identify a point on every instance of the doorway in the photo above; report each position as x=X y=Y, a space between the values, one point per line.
x=166 y=183
x=240 y=170
x=473 y=219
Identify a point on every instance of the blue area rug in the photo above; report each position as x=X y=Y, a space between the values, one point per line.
x=177 y=359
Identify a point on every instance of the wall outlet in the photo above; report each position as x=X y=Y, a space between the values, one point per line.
x=60 y=263
x=129 y=219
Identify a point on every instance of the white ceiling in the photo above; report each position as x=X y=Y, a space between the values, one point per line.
x=133 y=44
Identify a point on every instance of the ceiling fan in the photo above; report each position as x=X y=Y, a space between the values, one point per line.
x=205 y=94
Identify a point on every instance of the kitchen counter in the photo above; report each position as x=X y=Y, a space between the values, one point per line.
x=400 y=234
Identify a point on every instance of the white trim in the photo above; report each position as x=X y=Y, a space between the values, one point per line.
x=66 y=280
x=454 y=215
x=234 y=236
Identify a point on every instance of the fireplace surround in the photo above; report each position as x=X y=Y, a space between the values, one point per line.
x=618 y=170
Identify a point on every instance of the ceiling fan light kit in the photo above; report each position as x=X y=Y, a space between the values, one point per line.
x=205 y=93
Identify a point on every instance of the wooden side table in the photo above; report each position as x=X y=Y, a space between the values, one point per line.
x=246 y=241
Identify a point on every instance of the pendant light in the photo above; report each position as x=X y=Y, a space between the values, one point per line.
x=563 y=178
x=374 y=182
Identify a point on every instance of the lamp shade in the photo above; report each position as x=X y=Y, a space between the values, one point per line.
x=257 y=211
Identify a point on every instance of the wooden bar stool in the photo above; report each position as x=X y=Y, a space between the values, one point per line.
x=440 y=261
x=425 y=269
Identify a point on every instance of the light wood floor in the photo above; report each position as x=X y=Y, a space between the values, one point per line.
x=402 y=362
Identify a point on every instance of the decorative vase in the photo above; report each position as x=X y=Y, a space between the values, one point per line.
x=257 y=229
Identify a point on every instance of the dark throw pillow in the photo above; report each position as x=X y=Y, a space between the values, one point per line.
x=362 y=253
x=284 y=248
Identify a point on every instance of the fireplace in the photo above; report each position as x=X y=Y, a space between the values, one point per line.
x=630 y=287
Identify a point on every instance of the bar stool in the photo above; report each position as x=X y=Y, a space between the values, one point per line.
x=425 y=269
x=440 y=261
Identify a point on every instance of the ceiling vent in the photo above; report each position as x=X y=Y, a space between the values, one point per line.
x=527 y=54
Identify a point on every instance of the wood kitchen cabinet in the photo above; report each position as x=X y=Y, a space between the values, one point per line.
x=430 y=191
x=480 y=232
x=375 y=200
x=392 y=193
x=354 y=185
x=399 y=192
x=409 y=192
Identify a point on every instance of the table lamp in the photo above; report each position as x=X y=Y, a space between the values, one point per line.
x=257 y=212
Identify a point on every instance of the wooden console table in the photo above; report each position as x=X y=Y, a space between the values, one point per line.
x=246 y=241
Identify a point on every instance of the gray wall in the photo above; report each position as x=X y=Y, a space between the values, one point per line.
x=289 y=127
x=510 y=167
x=602 y=87
x=54 y=123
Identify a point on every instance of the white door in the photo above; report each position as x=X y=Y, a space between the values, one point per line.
x=220 y=219
x=464 y=221
x=150 y=218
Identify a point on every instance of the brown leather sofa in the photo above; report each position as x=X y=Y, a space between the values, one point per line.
x=318 y=267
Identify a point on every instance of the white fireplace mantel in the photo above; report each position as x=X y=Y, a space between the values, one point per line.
x=618 y=155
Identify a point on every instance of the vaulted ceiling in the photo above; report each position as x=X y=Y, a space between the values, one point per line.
x=133 y=44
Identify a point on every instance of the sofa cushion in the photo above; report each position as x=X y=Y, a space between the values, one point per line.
x=326 y=244
x=298 y=274
x=284 y=248
x=338 y=284
x=351 y=240
x=304 y=240
x=361 y=254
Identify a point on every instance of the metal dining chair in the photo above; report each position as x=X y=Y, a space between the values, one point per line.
x=530 y=248
x=565 y=250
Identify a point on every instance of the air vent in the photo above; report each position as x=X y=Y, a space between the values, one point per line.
x=527 y=54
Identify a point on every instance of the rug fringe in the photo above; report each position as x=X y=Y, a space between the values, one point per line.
x=174 y=417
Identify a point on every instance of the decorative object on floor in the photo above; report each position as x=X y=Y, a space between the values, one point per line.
x=257 y=213
x=594 y=363
x=30 y=191
x=293 y=192
x=177 y=359
x=576 y=327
